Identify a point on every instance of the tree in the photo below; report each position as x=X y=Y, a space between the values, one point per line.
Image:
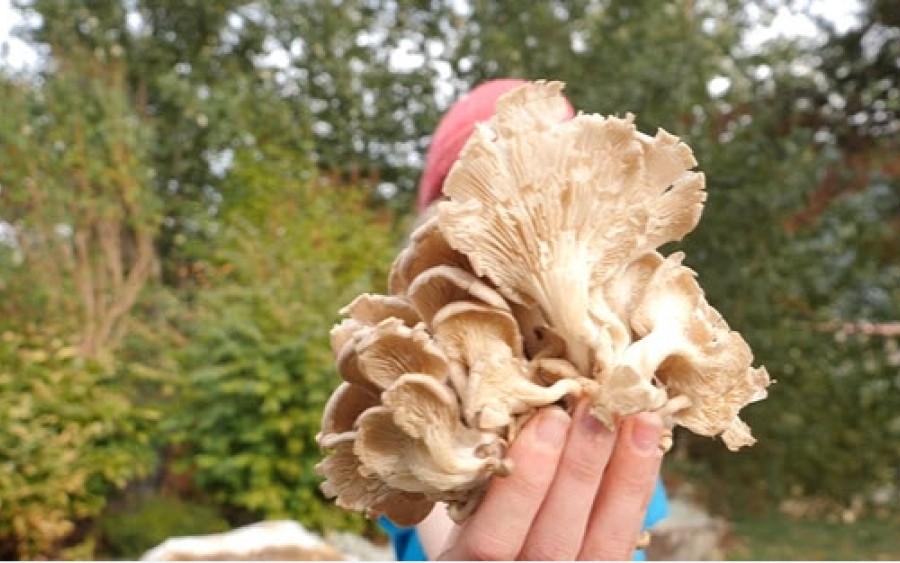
x=79 y=204
x=259 y=368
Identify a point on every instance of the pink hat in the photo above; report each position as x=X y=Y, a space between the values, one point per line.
x=454 y=130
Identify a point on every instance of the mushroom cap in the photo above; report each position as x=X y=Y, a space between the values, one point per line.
x=376 y=356
x=449 y=462
x=352 y=491
x=344 y=406
x=692 y=352
x=418 y=403
x=438 y=286
x=368 y=310
x=371 y=309
x=461 y=326
x=427 y=248
x=525 y=197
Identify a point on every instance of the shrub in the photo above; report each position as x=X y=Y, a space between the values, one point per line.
x=140 y=525
x=68 y=436
x=259 y=366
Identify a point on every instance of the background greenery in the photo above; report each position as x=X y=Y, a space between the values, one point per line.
x=191 y=190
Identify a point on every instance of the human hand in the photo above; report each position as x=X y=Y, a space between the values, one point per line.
x=577 y=491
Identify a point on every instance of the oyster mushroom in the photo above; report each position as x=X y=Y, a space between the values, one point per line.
x=374 y=358
x=436 y=287
x=353 y=491
x=368 y=310
x=539 y=279
x=344 y=406
x=687 y=347
x=427 y=248
x=486 y=344
x=441 y=454
x=526 y=201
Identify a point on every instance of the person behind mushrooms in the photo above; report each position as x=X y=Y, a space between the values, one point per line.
x=579 y=490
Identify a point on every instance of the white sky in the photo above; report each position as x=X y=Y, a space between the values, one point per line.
x=17 y=55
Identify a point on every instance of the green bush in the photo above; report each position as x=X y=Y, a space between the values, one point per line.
x=129 y=531
x=259 y=364
x=68 y=437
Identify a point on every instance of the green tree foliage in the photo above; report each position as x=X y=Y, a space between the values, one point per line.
x=69 y=435
x=798 y=239
x=77 y=200
x=235 y=148
x=779 y=265
x=259 y=367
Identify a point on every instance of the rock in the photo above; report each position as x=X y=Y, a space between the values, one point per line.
x=277 y=540
x=687 y=534
x=357 y=548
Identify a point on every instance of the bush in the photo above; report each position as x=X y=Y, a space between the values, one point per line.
x=130 y=531
x=68 y=436
x=258 y=362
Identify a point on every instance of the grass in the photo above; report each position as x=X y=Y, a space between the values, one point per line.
x=778 y=537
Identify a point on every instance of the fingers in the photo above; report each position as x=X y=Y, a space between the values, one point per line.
x=498 y=529
x=627 y=487
x=559 y=527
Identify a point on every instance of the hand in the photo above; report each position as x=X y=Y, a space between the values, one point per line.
x=577 y=491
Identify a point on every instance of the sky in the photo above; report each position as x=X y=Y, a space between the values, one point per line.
x=18 y=55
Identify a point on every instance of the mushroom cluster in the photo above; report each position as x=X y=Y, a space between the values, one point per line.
x=538 y=281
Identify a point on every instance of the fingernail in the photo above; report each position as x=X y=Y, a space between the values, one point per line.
x=552 y=427
x=646 y=431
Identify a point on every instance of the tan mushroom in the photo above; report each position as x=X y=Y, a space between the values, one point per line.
x=368 y=310
x=687 y=347
x=548 y=212
x=353 y=491
x=427 y=248
x=344 y=406
x=539 y=280
x=451 y=459
x=375 y=357
x=371 y=309
x=486 y=341
x=436 y=287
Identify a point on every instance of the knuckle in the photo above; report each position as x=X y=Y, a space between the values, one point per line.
x=636 y=485
x=483 y=547
x=531 y=486
x=583 y=466
x=637 y=480
x=612 y=547
x=549 y=549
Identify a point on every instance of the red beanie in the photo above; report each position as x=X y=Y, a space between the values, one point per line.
x=454 y=130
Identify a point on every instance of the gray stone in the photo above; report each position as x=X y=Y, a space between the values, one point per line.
x=689 y=533
x=277 y=540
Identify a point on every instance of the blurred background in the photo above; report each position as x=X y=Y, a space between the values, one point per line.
x=190 y=190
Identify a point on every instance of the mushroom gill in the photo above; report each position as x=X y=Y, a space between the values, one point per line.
x=538 y=279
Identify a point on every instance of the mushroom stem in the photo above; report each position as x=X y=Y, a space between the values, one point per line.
x=668 y=411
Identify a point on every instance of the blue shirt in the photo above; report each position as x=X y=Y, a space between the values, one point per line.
x=407 y=546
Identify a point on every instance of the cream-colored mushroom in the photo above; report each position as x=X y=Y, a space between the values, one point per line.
x=539 y=280
x=371 y=309
x=427 y=248
x=451 y=460
x=368 y=310
x=549 y=212
x=353 y=491
x=487 y=342
x=438 y=286
x=687 y=347
x=375 y=357
x=344 y=406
